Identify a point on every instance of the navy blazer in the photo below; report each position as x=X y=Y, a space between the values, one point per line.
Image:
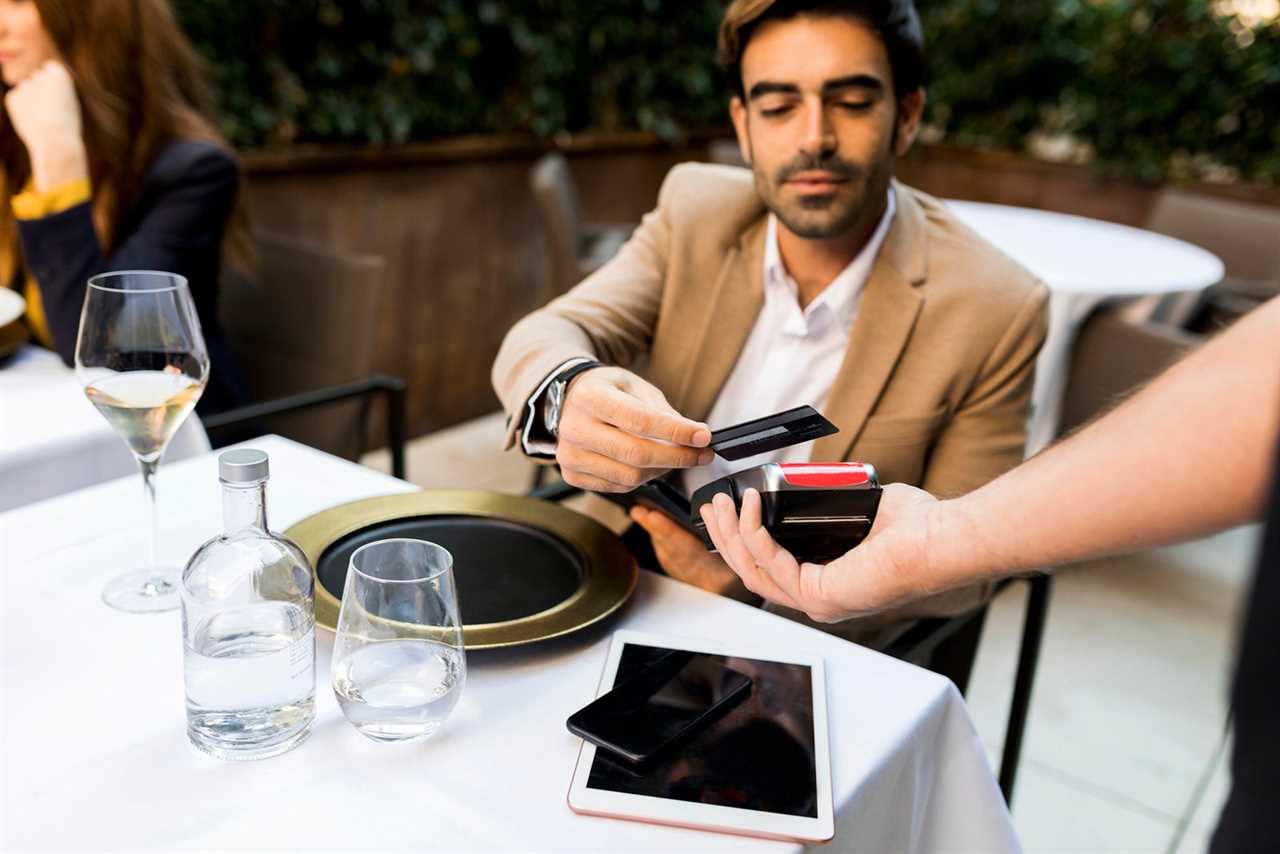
x=176 y=224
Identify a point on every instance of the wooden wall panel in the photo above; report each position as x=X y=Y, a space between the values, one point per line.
x=464 y=253
x=465 y=259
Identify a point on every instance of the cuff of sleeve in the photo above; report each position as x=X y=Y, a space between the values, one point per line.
x=534 y=441
x=30 y=204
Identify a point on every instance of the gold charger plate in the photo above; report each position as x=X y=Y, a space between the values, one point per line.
x=534 y=570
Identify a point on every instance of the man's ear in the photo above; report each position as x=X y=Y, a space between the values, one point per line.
x=738 y=112
x=910 y=114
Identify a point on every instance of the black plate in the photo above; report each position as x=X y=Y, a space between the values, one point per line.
x=526 y=569
x=504 y=570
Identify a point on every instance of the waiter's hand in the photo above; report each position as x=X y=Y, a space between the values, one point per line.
x=683 y=556
x=618 y=431
x=45 y=114
x=889 y=568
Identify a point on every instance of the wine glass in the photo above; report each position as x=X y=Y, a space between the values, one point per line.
x=398 y=659
x=142 y=360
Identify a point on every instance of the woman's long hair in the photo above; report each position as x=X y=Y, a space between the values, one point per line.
x=140 y=86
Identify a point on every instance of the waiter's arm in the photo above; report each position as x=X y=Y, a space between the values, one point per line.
x=1188 y=455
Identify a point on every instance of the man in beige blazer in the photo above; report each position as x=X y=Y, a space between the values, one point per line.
x=813 y=274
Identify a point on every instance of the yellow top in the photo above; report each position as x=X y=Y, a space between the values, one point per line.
x=30 y=204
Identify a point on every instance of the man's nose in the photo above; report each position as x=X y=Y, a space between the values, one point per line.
x=819 y=135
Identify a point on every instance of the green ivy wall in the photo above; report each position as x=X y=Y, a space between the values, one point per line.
x=1151 y=90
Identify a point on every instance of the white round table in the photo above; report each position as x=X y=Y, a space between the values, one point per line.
x=53 y=441
x=1083 y=262
x=907 y=767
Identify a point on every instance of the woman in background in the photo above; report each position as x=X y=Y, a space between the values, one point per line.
x=111 y=161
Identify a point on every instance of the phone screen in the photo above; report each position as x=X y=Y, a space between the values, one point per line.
x=672 y=698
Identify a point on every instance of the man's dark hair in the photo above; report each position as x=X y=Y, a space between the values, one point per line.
x=896 y=22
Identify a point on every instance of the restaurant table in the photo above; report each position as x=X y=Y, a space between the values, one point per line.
x=95 y=754
x=53 y=441
x=1084 y=262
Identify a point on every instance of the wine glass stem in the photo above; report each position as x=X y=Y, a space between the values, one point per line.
x=149 y=487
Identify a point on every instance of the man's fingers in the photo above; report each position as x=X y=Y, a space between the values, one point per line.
x=627 y=420
x=591 y=483
x=647 y=392
x=657 y=524
x=578 y=459
x=629 y=413
x=587 y=470
x=668 y=532
x=657 y=402
x=648 y=520
x=631 y=450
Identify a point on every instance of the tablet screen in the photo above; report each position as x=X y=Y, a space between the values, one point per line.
x=759 y=756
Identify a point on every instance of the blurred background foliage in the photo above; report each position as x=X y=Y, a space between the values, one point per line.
x=1150 y=89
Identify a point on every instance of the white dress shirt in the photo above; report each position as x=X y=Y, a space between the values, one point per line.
x=792 y=355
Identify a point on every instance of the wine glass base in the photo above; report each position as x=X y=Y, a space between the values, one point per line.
x=144 y=591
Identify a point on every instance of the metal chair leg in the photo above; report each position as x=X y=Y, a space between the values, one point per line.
x=397 y=423
x=954 y=657
x=539 y=476
x=1028 y=658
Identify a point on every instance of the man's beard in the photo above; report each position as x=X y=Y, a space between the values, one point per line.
x=823 y=216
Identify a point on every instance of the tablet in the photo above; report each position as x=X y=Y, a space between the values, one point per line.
x=763 y=769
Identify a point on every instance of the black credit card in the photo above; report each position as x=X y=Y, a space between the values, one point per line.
x=770 y=433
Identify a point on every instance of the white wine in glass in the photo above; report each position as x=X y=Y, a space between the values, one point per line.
x=145 y=407
x=143 y=363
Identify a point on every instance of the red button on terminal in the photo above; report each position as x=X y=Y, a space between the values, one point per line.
x=825 y=475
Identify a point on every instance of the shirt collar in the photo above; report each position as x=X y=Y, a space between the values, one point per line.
x=840 y=297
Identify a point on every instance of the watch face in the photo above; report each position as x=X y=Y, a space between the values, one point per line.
x=555 y=400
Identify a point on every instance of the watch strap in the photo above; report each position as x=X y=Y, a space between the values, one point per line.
x=566 y=376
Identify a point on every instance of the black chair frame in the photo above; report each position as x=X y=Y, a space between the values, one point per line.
x=949 y=646
x=392 y=388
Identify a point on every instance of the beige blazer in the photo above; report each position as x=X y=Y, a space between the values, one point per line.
x=935 y=385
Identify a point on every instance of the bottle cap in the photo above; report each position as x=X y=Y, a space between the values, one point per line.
x=243 y=465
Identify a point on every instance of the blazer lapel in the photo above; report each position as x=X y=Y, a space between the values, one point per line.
x=733 y=309
x=886 y=316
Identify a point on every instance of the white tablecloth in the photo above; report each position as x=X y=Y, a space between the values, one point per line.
x=53 y=441
x=1084 y=262
x=95 y=754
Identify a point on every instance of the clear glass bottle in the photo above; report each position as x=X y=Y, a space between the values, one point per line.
x=248 y=625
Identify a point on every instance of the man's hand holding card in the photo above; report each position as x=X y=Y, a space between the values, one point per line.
x=618 y=431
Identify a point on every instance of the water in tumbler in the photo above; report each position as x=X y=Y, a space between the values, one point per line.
x=395 y=690
x=250 y=678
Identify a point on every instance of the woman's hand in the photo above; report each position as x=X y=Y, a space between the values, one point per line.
x=45 y=113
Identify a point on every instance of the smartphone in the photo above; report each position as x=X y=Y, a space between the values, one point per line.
x=656 y=495
x=666 y=704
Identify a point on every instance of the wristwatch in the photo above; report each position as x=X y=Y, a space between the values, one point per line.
x=556 y=393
